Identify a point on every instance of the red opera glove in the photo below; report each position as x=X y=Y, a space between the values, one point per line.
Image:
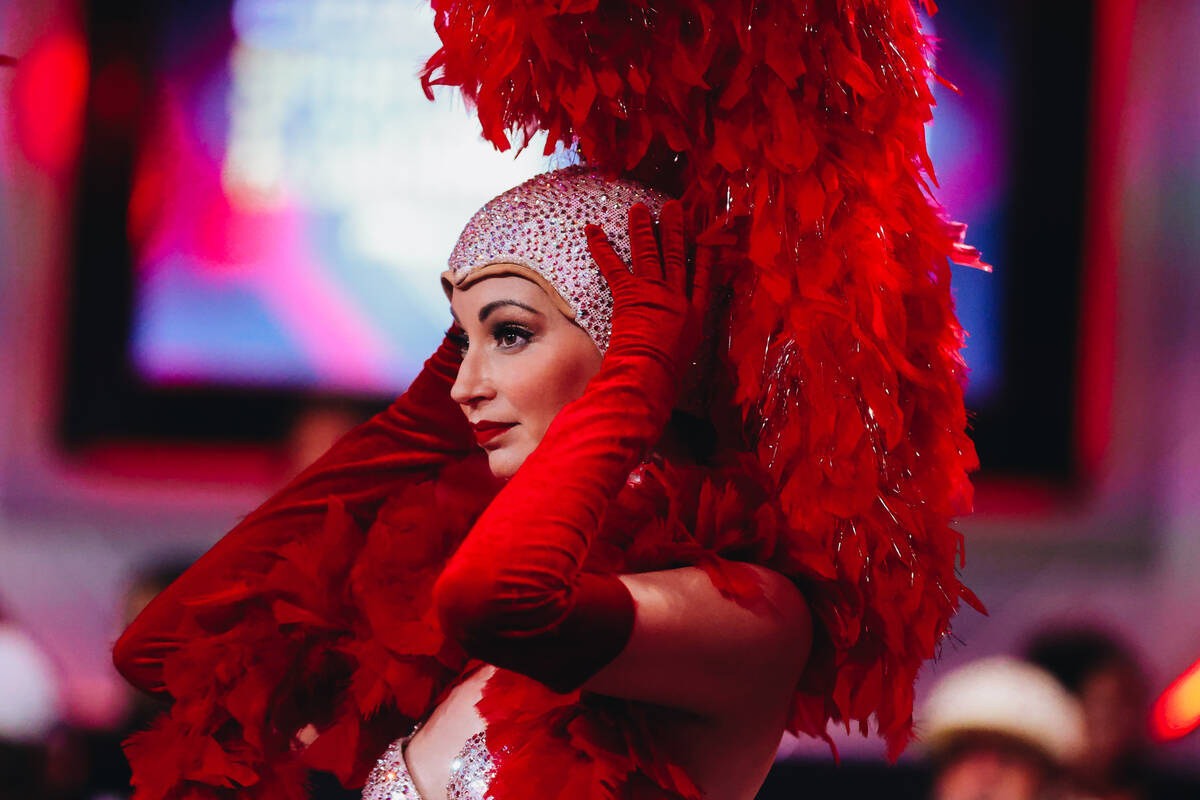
x=418 y=434
x=513 y=595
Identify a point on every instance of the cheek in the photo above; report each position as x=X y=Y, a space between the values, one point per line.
x=556 y=379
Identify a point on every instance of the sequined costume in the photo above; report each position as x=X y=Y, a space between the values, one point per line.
x=471 y=773
x=792 y=132
x=536 y=230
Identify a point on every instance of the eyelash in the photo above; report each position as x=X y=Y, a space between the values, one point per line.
x=500 y=332
x=506 y=329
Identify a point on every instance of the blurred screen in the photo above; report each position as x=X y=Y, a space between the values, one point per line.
x=968 y=142
x=296 y=195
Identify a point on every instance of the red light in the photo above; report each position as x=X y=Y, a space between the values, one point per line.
x=1177 y=710
x=48 y=97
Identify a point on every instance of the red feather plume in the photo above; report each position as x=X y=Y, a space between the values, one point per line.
x=793 y=131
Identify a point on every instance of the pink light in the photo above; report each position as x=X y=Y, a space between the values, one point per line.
x=1177 y=710
x=48 y=96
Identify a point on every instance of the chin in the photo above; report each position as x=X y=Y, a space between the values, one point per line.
x=504 y=462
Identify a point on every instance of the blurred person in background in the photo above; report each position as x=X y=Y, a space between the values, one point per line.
x=319 y=424
x=29 y=714
x=96 y=756
x=1106 y=676
x=1000 y=729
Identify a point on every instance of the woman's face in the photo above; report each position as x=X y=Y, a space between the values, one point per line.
x=522 y=362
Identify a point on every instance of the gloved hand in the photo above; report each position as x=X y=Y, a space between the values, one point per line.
x=657 y=310
x=514 y=594
x=403 y=445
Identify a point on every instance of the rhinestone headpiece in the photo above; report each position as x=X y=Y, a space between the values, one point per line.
x=538 y=229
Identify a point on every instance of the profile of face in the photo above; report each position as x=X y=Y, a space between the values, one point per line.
x=988 y=770
x=523 y=360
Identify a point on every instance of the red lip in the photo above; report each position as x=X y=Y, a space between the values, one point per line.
x=486 y=430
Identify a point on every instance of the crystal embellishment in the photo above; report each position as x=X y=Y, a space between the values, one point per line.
x=471 y=773
x=540 y=225
x=389 y=779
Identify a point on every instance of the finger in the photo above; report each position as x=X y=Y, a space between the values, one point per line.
x=674 y=257
x=614 y=270
x=642 y=243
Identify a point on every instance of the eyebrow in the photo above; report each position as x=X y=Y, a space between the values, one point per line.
x=486 y=311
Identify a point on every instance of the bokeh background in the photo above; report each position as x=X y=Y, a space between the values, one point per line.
x=221 y=226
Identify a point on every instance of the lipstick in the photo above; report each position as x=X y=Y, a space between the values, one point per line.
x=486 y=430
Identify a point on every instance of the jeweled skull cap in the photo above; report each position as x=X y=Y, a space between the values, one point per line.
x=536 y=230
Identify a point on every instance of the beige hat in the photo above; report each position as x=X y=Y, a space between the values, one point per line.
x=1006 y=697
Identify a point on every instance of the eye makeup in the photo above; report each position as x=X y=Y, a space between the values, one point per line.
x=510 y=335
x=487 y=310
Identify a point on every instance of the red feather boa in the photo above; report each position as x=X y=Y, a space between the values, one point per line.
x=338 y=631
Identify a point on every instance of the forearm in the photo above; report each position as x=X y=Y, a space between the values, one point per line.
x=514 y=593
x=522 y=558
x=417 y=435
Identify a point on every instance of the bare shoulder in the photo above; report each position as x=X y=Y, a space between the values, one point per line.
x=762 y=604
x=697 y=649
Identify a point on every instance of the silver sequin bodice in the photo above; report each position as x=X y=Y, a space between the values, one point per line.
x=471 y=774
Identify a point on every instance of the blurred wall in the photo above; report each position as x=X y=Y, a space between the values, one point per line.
x=1126 y=552
x=71 y=532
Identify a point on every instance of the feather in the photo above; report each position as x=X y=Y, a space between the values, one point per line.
x=794 y=132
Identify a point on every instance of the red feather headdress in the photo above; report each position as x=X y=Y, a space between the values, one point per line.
x=793 y=131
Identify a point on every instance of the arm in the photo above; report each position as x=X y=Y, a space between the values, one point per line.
x=695 y=649
x=514 y=594
x=418 y=434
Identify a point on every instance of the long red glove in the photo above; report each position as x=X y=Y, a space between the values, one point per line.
x=513 y=594
x=419 y=433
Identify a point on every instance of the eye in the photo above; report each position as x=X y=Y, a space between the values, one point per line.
x=459 y=339
x=510 y=336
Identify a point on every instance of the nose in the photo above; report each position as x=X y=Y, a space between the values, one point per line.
x=473 y=384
